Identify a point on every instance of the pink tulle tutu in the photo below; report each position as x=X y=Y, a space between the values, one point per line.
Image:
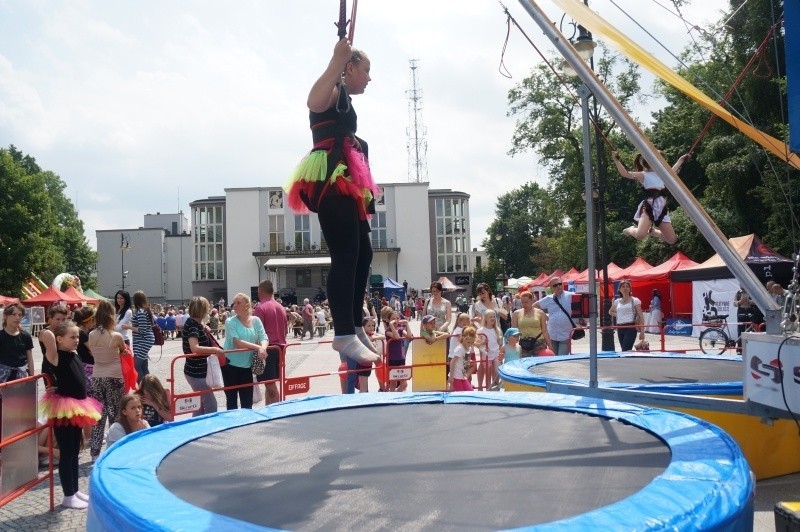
x=70 y=411
x=351 y=177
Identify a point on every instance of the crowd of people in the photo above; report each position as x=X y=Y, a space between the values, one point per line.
x=92 y=400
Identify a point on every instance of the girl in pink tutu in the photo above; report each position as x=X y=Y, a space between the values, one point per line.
x=335 y=182
x=458 y=380
x=69 y=408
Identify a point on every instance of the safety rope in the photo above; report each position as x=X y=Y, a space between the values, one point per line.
x=757 y=55
x=552 y=67
x=341 y=26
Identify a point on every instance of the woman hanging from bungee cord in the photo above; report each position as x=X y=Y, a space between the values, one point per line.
x=334 y=181
x=652 y=214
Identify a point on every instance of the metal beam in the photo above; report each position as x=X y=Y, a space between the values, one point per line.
x=704 y=223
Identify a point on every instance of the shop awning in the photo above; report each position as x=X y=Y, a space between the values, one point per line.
x=295 y=262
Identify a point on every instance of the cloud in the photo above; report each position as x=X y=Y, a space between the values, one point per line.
x=146 y=106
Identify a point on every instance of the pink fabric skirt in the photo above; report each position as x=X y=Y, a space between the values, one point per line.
x=70 y=411
x=351 y=177
x=462 y=385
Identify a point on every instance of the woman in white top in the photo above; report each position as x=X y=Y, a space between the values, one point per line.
x=124 y=315
x=487 y=301
x=627 y=310
x=651 y=216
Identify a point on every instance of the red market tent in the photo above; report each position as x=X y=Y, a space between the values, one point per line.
x=7 y=300
x=583 y=278
x=448 y=286
x=73 y=292
x=571 y=275
x=544 y=279
x=676 y=298
x=639 y=265
x=527 y=287
x=50 y=296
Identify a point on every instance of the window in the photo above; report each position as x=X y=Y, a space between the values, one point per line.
x=302 y=232
x=378 y=225
x=451 y=235
x=207 y=244
x=302 y=277
x=276 y=233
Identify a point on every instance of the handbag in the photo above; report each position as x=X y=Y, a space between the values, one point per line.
x=529 y=343
x=577 y=334
x=214 y=373
x=214 y=343
x=257 y=366
x=158 y=334
x=258 y=394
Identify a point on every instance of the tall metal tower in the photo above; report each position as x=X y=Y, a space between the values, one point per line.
x=417 y=145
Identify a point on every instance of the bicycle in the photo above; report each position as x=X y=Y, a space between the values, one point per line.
x=715 y=340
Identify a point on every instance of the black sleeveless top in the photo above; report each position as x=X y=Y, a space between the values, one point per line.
x=70 y=378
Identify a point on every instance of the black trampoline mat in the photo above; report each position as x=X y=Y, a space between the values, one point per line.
x=645 y=370
x=415 y=467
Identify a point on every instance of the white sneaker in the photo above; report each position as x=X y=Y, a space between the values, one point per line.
x=74 y=502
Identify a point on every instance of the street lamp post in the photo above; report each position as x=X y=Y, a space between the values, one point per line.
x=585 y=45
x=124 y=245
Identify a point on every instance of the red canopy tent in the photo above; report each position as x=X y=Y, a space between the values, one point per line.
x=527 y=287
x=571 y=275
x=544 y=279
x=583 y=278
x=50 y=296
x=448 y=286
x=676 y=298
x=7 y=300
x=637 y=266
x=73 y=292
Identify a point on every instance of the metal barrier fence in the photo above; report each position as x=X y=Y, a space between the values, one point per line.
x=386 y=373
x=18 y=419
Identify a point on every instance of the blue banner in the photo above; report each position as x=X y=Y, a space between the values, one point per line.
x=678 y=327
x=791 y=23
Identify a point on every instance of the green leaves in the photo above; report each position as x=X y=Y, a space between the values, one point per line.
x=40 y=231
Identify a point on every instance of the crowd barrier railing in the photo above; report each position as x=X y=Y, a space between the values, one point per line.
x=189 y=402
x=20 y=474
x=663 y=336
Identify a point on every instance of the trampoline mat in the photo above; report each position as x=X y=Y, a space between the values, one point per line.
x=645 y=370
x=427 y=466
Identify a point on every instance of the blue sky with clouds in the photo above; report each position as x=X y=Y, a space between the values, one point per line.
x=145 y=106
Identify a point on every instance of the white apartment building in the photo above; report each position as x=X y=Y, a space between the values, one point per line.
x=155 y=258
x=232 y=242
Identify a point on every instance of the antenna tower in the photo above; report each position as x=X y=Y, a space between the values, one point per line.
x=417 y=145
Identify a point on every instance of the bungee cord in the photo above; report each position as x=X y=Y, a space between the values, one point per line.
x=552 y=68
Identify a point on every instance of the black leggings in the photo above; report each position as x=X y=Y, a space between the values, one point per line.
x=69 y=446
x=233 y=375
x=350 y=247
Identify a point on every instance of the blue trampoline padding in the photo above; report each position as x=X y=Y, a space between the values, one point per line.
x=707 y=485
x=523 y=371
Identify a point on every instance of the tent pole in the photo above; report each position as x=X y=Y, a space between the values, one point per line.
x=693 y=209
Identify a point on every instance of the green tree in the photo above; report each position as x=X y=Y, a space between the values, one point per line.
x=523 y=216
x=747 y=189
x=549 y=123
x=40 y=231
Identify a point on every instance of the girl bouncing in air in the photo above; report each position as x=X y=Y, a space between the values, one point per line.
x=68 y=406
x=652 y=214
x=335 y=182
